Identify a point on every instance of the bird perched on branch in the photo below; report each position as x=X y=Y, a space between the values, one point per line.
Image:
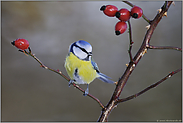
x=80 y=66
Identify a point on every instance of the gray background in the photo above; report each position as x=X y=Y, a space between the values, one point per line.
x=31 y=93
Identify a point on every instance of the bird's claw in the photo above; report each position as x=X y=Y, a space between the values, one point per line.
x=70 y=82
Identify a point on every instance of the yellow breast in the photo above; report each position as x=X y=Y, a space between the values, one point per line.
x=85 y=70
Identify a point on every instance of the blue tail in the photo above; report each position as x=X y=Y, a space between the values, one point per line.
x=105 y=78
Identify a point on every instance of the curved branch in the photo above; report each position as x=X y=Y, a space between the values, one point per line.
x=60 y=73
x=143 y=49
x=148 y=88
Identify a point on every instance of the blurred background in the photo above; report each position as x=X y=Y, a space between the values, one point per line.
x=31 y=93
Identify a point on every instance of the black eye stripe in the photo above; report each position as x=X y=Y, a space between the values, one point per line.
x=83 y=49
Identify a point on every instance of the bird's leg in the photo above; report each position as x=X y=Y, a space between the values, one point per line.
x=86 y=91
x=70 y=82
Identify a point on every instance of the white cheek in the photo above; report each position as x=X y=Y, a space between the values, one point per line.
x=79 y=53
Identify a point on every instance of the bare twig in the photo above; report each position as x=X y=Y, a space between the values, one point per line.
x=164 y=47
x=127 y=2
x=60 y=73
x=131 y=42
x=150 y=87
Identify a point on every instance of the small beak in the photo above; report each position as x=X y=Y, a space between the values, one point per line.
x=90 y=53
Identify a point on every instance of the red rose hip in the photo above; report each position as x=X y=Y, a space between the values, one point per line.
x=109 y=10
x=20 y=43
x=136 y=12
x=123 y=14
x=120 y=27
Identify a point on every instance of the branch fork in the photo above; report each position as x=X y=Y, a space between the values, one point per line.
x=134 y=61
x=115 y=100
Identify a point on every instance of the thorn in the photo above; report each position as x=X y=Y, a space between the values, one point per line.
x=165 y=14
x=148 y=26
x=115 y=106
x=116 y=83
x=131 y=68
x=159 y=10
x=127 y=65
x=59 y=71
x=173 y=3
x=145 y=51
x=43 y=66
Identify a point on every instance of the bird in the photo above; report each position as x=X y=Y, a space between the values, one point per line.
x=81 y=67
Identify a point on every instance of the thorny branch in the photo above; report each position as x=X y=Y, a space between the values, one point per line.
x=143 y=49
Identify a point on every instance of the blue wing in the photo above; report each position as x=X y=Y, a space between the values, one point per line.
x=95 y=66
x=102 y=76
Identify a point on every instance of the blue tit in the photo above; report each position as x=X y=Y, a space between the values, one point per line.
x=81 y=67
